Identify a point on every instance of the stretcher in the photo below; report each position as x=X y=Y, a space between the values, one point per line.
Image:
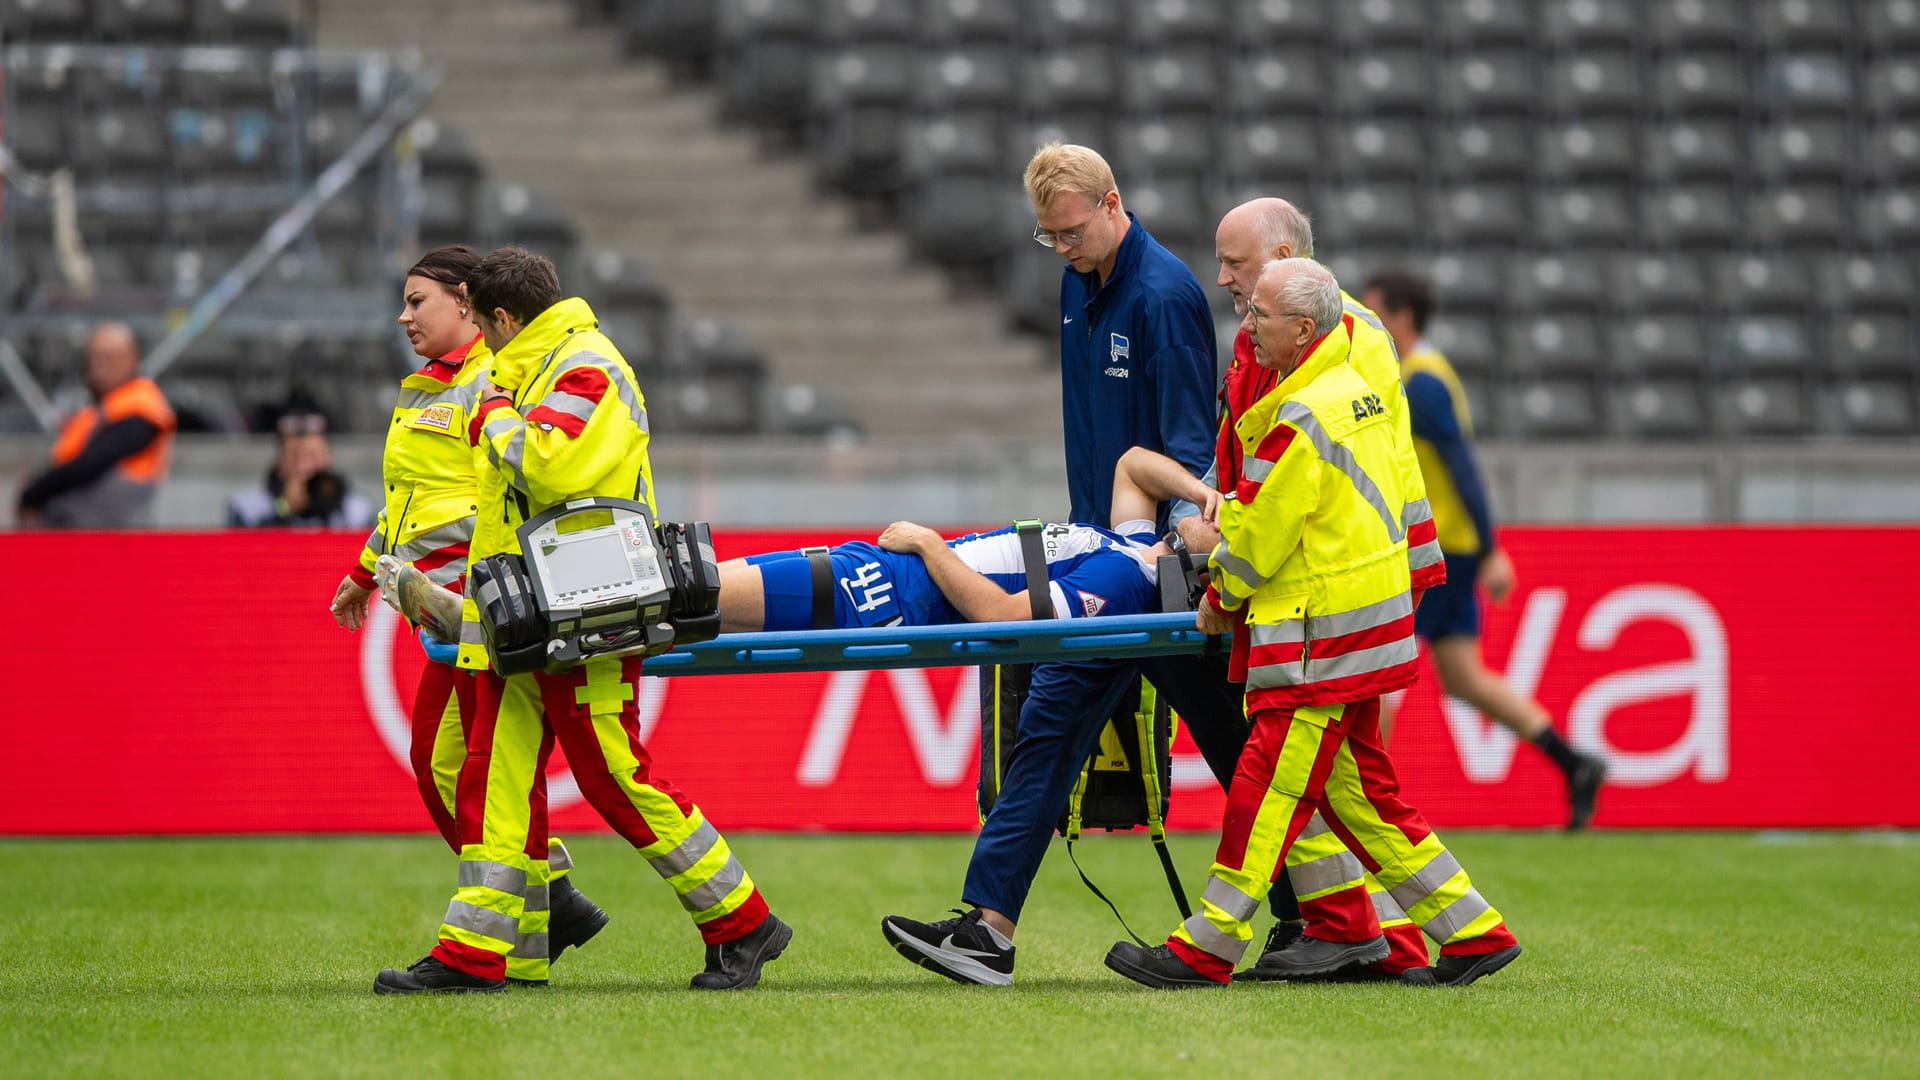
x=969 y=644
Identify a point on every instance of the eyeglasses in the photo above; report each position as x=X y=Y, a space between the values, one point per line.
x=1070 y=237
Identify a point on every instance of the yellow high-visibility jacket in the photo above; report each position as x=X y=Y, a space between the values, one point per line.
x=576 y=427
x=427 y=470
x=1312 y=541
x=1374 y=357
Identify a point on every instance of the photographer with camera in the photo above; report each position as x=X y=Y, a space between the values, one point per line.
x=301 y=488
x=561 y=419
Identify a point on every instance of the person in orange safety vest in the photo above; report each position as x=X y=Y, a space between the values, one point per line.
x=111 y=457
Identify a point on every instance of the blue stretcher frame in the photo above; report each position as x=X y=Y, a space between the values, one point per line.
x=1116 y=637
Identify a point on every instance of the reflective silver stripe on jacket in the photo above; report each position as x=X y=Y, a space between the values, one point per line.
x=1425 y=555
x=1256 y=469
x=557 y=857
x=1237 y=568
x=1415 y=512
x=377 y=540
x=465 y=916
x=1322 y=627
x=1211 y=941
x=1270 y=676
x=1361 y=661
x=687 y=853
x=571 y=404
x=1456 y=916
x=1338 y=456
x=1325 y=874
x=1286 y=632
x=716 y=888
x=1228 y=898
x=1427 y=880
x=465 y=395
x=492 y=875
x=510 y=461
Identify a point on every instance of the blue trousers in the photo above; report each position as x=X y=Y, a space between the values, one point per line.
x=1067 y=705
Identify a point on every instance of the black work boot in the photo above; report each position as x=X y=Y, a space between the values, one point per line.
x=1462 y=970
x=1308 y=957
x=1279 y=937
x=430 y=976
x=572 y=919
x=735 y=965
x=1157 y=967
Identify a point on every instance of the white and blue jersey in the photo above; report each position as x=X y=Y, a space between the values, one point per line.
x=1090 y=571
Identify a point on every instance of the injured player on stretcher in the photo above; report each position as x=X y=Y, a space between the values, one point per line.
x=911 y=576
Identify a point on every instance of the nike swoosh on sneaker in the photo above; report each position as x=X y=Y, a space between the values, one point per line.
x=961 y=950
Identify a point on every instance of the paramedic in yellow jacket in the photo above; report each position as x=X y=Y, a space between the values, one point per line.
x=427 y=474
x=1314 y=549
x=563 y=418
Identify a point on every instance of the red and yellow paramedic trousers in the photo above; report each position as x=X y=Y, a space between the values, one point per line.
x=497 y=922
x=1328 y=759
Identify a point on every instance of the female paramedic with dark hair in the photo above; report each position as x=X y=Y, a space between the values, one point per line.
x=429 y=488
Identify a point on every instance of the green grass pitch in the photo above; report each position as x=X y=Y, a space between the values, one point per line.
x=1648 y=954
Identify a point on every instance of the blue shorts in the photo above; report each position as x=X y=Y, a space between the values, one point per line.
x=1453 y=609
x=871 y=588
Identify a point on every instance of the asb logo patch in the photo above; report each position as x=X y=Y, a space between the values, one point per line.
x=1091 y=604
x=437 y=417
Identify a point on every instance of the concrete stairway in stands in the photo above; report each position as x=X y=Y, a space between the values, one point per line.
x=643 y=166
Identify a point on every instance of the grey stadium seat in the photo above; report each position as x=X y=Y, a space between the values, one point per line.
x=1863 y=282
x=1162 y=149
x=1380 y=147
x=1694 y=149
x=1597 y=148
x=1657 y=408
x=768 y=80
x=253 y=22
x=1550 y=408
x=1718 y=24
x=1260 y=85
x=44 y=20
x=1556 y=283
x=1466 y=279
x=121 y=138
x=862 y=75
x=1872 y=344
x=144 y=21
x=1488 y=82
x=1807 y=82
x=1890 y=216
x=1061 y=21
x=1171 y=80
x=1868 y=408
x=1590 y=214
x=1893 y=152
x=1651 y=345
x=862 y=148
x=1594 y=82
x=1262 y=24
x=1486 y=22
x=1567 y=23
x=1499 y=147
x=1691 y=215
x=1158 y=22
x=1892 y=25
x=1763 y=407
x=1480 y=214
x=1384 y=80
x=1468 y=341
x=952 y=142
x=1075 y=76
x=1893 y=86
x=1264 y=153
x=1803 y=149
x=1373 y=23
x=861 y=21
x=1369 y=213
x=1788 y=24
x=1753 y=344
x=1693 y=83
x=1172 y=210
x=973 y=20
x=740 y=21
x=1756 y=282
x=1799 y=215
x=38 y=135
x=1552 y=344
x=965 y=77
x=1650 y=281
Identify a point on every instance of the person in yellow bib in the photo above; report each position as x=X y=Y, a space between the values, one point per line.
x=1313 y=554
x=1449 y=617
x=429 y=483
x=561 y=417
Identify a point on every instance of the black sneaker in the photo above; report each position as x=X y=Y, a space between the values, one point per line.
x=735 y=965
x=430 y=976
x=1308 y=957
x=1583 y=788
x=961 y=949
x=572 y=920
x=1157 y=967
x=1462 y=970
x=1279 y=937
